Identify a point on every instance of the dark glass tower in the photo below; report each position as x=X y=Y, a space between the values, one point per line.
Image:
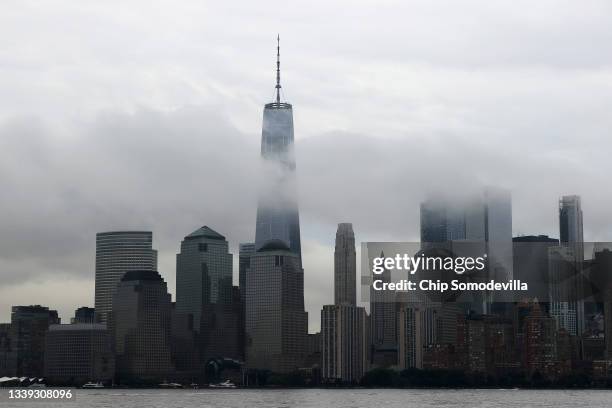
x=277 y=211
x=141 y=328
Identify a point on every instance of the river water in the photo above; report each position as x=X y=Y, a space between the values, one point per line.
x=322 y=398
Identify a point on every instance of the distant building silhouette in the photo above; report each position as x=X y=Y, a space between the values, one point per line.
x=441 y=220
x=203 y=273
x=221 y=329
x=116 y=253
x=563 y=289
x=244 y=261
x=410 y=336
x=345 y=266
x=7 y=352
x=383 y=325
x=141 y=324
x=185 y=346
x=571 y=236
x=486 y=217
x=84 y=314
x=530 y=263
x=344 y=335
x=276 y=322
x=29 y=325
x=78 y=353
x=540 y=344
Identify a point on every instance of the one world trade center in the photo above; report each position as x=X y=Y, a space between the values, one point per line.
x=277 y=212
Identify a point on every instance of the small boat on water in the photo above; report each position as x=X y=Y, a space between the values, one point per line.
x=224 y=384
x=170 y=385
x=92 y=385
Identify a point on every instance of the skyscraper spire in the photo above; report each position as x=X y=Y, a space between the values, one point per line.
x=278 y=85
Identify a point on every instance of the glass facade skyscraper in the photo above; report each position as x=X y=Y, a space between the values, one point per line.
x=116 y=253
x=276 y=322
x=277 y=210
x=571 y=237
x=203 y=273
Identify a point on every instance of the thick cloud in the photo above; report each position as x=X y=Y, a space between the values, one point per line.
x=174 y=171
x=148 y=116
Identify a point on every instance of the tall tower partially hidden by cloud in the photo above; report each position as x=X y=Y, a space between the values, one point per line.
x=277 y=212
x=118 y=252
x=276 y=323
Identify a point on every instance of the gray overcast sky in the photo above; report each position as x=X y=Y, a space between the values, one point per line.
x=147 y=114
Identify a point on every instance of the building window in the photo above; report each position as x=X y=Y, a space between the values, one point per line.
x=203 y=247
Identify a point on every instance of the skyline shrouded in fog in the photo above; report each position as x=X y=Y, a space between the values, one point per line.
x=148 y=116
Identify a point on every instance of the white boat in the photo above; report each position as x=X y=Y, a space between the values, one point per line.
x=93 y=385
x=170 y=385
x=224 y=384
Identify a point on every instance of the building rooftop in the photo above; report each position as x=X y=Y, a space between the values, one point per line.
x=205 y=232
x=77 y=326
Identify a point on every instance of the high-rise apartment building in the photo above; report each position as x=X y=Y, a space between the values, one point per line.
x=345 y=343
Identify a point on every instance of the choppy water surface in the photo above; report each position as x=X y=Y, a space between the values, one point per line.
x=315 y=398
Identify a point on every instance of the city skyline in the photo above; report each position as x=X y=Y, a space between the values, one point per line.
x=234 y=259
x=141 y=134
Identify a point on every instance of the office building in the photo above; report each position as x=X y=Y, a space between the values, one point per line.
x=277 y=210
x=7 y=352
x=84 y=315
x=276 y=322
x=141 y=327
x=571 y=236
x=78 y=353
x=203 y=273
x=221 y=329
x=345 y=266
x=116 y=253
x=29 y=325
